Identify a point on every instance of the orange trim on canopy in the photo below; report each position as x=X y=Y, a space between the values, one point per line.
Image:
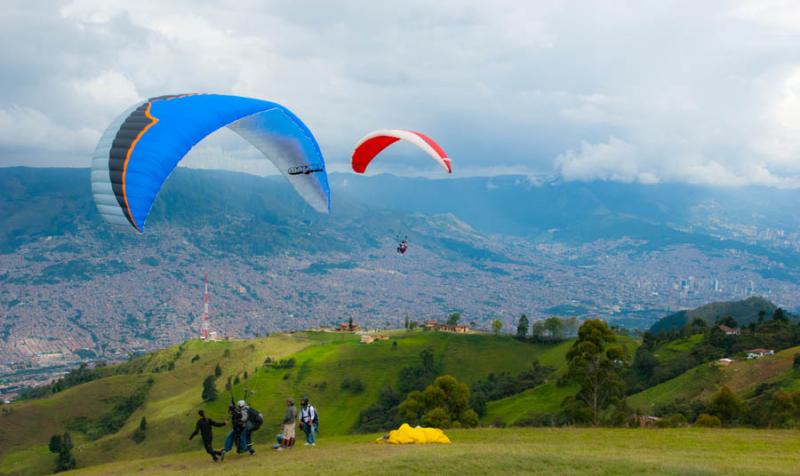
x=127 y=158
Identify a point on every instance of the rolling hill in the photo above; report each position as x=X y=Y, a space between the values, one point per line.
x=744 y=312
x=322 y=360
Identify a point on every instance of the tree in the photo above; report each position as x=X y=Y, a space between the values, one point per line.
x=725 y=405
x=217 y=371
x=452 y=319
x=405 y=322
x=65 y=460
x=441 y=404
x=699 y=325
x=728 y=321
x=538 y=330
x=412 y=325
x=554 y=327
x=143 y=424
x=209 y=389
x=55 y=444
x=761 y=315
x=497 y=326
x=797 y=360
x=350 y=324
x=597 y=369
x=522 y=327
x=780 y=315
x=394 y=345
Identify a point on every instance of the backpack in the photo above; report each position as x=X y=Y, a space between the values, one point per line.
x=315 y=420
x=255 y=417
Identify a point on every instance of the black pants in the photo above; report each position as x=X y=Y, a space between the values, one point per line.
x=210 y=449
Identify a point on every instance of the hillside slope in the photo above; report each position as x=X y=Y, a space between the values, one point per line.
x=741 y=376
x=744 y=312
x=323 y=360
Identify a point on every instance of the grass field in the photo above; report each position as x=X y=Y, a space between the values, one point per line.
x=567 y=451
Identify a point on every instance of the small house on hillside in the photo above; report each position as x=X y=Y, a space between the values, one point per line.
x=758 y=353
x=729 y=331
x=462 y=329
x=725 y=361
x=431 y=325
x=438 y=326
x=367 y=339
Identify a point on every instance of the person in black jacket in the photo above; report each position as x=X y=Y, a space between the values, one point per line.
x=203 y=426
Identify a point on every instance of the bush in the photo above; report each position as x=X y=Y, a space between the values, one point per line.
x=797 y=360
x=469 y=419
x=437 y=418
x=217 y=371
x=195 y=358
x=352 y=384
x=708 y=421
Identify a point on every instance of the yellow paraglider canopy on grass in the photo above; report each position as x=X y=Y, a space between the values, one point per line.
x=405 y=435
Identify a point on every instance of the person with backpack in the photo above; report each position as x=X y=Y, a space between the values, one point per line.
x=289 y=422
x=252 y=420
x=234 y=437
x=309 y=421
x=204 y=426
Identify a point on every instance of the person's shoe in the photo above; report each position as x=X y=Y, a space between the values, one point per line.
x=281 y=448
x=313 y=444
x=222 y=456
x=252 y=451
x=306 y=443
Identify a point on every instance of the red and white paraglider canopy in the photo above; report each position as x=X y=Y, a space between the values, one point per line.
x=374 y=143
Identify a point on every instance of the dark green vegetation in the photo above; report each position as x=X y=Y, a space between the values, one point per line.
x=743 y=312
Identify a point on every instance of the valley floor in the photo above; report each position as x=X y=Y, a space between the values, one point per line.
x=571 y=451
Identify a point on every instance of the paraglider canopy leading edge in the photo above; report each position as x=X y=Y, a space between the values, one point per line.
x=375 y=142
x=141 y=148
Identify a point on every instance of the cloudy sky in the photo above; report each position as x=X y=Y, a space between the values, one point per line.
x=648 y=91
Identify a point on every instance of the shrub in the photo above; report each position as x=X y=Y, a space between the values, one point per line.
x=195 y=358
x=217 y=371
x=797 y=360
x=352 y=384
x=437 y=418
x=708 y=421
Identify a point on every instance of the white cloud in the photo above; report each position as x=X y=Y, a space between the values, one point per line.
x=24 y=128
x=702 y=92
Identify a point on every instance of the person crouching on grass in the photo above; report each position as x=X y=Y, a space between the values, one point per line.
x=289 y=420
x=204 y=426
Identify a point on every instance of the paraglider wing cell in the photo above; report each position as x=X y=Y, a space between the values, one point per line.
x=374 y=143
x=141 y=148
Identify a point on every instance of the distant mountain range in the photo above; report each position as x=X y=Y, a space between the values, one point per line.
x=490 y=248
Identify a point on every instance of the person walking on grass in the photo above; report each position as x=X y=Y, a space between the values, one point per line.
x=309 y=421
x=289 y=421
x=204 y=426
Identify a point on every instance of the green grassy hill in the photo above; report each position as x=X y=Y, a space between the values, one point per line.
x=323 y=360
x=171 y=380
x=741 y=376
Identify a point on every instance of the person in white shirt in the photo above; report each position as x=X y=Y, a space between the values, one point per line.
x=309 y=421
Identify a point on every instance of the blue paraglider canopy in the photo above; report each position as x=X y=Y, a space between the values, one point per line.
x=142 y=147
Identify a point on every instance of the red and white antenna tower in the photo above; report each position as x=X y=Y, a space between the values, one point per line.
x=204 y=325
